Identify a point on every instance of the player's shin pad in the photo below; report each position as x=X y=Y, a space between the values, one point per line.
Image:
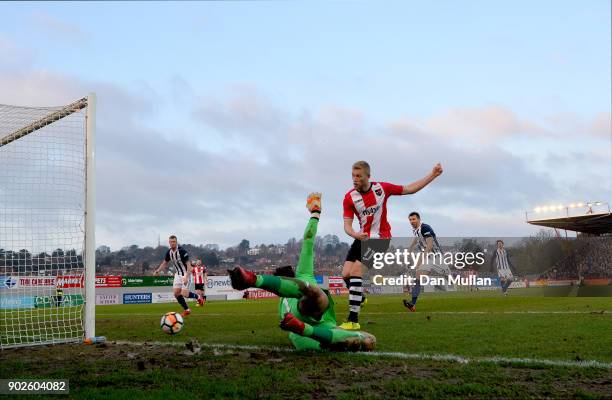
x=281 y=286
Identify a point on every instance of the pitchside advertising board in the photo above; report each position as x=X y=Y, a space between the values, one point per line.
x=144 y=281
x=219 y=286
x=33 y=281
x=70 y=281
x=137 y=298
x=222 y=285
x=337 y=286
x=108 y=281
x=15 y=282
x=336 y=282
x=254 y=294
x=107 y=299
x=61 y=281
x=16 y=302
x=67 y=300
x=8 y=282
x=163 y=297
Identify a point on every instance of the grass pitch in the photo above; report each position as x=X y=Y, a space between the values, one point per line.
x=457 y=345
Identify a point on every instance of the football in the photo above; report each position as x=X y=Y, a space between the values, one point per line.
x=172 y=323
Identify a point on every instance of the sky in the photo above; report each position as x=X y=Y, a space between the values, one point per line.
x=215 y=119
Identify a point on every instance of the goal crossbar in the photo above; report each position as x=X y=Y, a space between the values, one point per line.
x=44 y=121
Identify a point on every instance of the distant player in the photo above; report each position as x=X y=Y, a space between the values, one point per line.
x=473 y=287
x=200 y=277
x=426 y=242
x=179 y=259
x=505 y=270
x=368 y=202
x=59 y=296
x=305 y=310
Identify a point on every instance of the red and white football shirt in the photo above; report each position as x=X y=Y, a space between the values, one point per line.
x=198 y=273
x=371 y=208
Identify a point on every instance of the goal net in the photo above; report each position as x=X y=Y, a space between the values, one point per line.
x=47 y=255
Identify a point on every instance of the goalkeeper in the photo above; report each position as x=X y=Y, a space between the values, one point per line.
x=305 y=310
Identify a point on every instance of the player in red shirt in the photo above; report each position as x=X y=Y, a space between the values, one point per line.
x=368 y=202
x=200 y=276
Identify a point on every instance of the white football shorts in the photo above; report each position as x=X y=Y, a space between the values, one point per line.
x=178 y=282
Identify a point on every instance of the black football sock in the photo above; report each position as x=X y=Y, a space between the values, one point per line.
x=355 y=297
x=182 y=302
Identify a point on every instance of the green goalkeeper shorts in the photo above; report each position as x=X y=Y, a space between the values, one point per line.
x=291 y=305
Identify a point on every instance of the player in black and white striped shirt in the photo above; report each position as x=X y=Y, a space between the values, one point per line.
x=426 y=242
x=505 y=269
x=178 y=258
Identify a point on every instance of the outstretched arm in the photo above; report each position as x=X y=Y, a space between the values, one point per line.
x=414 y=187
x=161 y=267
x=305 y=266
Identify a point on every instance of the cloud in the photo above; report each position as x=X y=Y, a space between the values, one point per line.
x=13 y=56
x=39 y=88
x=601 y=125
x=486 y=124
x=58 y=28
x=324 y=143
x=570 y=124
x=247 y=172
x=245 y=109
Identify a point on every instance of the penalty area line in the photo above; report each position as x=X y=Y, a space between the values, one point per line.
x=398 y=355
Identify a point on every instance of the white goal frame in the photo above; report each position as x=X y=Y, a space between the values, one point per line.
x=90 y=219
x=89 y=249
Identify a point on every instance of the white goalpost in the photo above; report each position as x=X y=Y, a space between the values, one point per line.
x=47 y=223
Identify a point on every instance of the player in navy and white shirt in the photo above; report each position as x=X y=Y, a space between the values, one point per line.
x=368 y=202
x=500 y=262
x=427 y=242
x=178 y=258
x=421 y=233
